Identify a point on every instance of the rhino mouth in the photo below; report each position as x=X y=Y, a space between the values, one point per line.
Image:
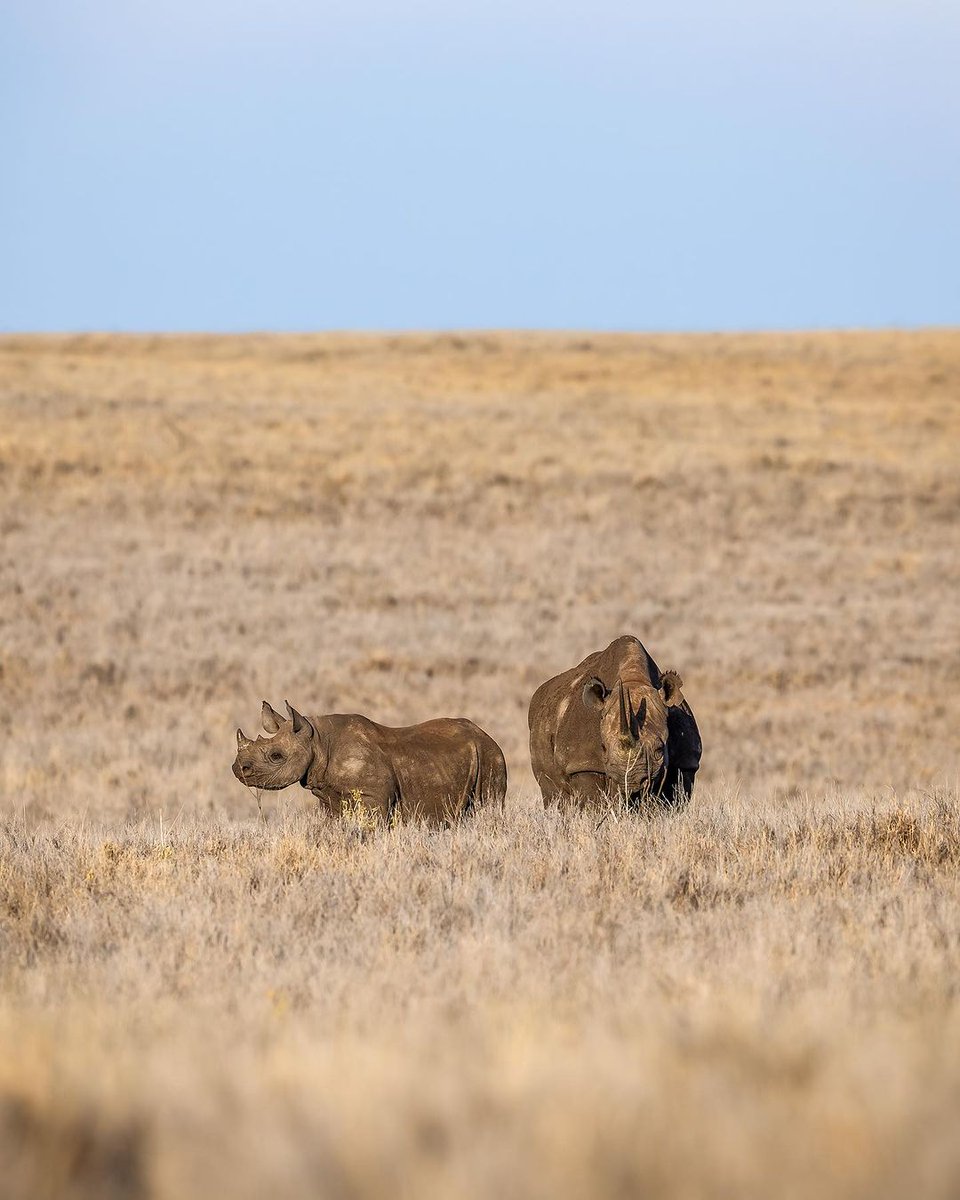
x=257 y=785
x=650 y=790
x=649 y=793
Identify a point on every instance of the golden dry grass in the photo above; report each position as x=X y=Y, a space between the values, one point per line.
x=758 y=997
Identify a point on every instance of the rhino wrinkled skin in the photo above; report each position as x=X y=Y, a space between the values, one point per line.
x=614 y=725
x=437 y=771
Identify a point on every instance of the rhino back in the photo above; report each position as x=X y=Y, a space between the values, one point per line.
x=434 y=770
x=445 y=767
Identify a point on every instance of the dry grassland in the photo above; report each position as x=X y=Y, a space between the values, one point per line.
x=760 y=997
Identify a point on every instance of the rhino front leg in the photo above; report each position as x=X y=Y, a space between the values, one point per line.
x=375 y=806
x=552 y=790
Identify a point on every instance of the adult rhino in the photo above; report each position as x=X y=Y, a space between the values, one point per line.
x=614 y=725
x=437 y=771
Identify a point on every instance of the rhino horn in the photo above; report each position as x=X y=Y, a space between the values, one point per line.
x=298 y=721
x=626 y=723
x=271 y=718
x=242 y=740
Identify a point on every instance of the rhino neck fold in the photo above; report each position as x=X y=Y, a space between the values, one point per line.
x=317 y=767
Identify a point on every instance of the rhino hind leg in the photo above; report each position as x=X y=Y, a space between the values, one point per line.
x=494 y=790
x=489 y=785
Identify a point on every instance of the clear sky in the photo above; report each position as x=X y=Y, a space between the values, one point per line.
x=296 y=164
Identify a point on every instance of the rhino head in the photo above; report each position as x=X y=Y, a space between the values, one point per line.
x=633 y=732
x=277 y=761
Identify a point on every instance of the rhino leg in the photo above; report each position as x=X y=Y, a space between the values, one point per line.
x=678 y=787
x=576 y=792
x=375 y=805
x=552 y=791
x=491 y=782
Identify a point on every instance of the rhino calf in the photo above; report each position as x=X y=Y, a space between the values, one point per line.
x=614 y=725
x=437 y=771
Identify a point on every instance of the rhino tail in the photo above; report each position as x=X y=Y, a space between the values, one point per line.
x=488 y=776
x=474 y=794
x=492 y=788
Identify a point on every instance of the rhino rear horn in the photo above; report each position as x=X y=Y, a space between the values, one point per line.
x=271 y=718
x=299 y=722
x=670 y=689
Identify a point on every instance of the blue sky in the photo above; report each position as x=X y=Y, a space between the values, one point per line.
x=366 y=165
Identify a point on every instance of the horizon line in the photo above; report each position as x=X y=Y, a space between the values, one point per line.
x=481 y=331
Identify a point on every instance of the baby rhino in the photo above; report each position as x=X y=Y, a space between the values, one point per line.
x=437 y=771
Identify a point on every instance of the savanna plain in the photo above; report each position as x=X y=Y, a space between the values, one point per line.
x=759 y=996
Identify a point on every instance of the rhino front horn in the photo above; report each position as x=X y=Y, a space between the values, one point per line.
x=626 y=719
x=242 y=739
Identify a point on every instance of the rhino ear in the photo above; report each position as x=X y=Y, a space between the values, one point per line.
x=300 y=723
x=594 y=693
x=670 y=685
x=271 y=719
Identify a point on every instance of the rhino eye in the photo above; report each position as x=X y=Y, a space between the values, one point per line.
x=275 y=755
